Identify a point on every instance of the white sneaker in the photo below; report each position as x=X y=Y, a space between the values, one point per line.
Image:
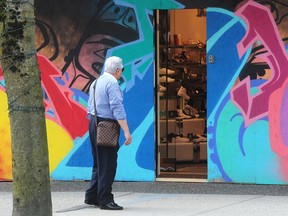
x=181 y=115
x=162 y=88
x=163 y=79
x=182 y=92
x=163 y=71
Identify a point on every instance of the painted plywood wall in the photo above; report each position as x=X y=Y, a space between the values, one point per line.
x=247 y=86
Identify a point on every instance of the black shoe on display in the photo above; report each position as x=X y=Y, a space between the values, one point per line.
x=111 y=206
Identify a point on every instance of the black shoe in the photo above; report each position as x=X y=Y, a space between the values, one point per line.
x=111 y=206
x=88 y=202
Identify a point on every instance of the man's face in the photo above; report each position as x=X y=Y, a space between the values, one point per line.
x=118 y=73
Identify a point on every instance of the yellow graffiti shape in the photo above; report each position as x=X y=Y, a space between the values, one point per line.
x=59 y=143
x=5 y=140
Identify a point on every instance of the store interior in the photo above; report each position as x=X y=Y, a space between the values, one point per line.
x=181 y=93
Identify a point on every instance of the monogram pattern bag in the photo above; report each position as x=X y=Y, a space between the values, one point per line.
x=107 y=131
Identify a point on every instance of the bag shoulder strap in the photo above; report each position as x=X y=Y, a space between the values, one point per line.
x=94 y=87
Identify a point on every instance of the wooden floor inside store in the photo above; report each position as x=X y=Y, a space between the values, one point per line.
x=185 y=170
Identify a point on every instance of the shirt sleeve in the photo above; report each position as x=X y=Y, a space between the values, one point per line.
x=90 y=104
x=115 y=96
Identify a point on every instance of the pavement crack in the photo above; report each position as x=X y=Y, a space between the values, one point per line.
x=80 y=207
x=76 y=208
x=126 y=194
x=232 y=204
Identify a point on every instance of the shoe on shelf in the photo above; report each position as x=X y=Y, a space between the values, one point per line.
x=162 y=88
x=162 y=71
x=161 y=94
x=181 y=115
x=163 y=140
x=187 y=112
x=170 y=136
x=111 y=206
x=191 y=109
x=181 y=139
x=182 y=93
x=199 y=138
x=169 y=79
x=170 y=169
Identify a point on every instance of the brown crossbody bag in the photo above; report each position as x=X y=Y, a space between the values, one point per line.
x=107 y=130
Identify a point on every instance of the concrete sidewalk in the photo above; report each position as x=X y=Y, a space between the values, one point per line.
x=69 y=202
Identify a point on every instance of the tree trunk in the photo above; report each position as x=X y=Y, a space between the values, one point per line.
x=31 y=177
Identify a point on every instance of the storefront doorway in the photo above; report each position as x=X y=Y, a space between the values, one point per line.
x=181 y=94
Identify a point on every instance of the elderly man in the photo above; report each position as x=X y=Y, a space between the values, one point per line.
x=108 y=98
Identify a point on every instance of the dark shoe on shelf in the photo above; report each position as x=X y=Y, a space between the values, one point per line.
x=88 y=202
x=111 y=206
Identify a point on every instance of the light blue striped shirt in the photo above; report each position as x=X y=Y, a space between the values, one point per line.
x=90 y=104
x=109 y=98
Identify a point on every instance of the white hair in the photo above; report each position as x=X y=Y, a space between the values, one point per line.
x=112 y=64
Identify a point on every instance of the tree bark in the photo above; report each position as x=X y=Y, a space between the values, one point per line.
x=31 y=177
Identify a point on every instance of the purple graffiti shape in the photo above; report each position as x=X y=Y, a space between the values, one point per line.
x=260 y=27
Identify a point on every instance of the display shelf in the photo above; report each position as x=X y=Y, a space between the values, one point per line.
x=185 y=64
x=196 y=47
x=189 y=65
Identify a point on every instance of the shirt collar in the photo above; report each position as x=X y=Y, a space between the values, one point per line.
x=108 y=74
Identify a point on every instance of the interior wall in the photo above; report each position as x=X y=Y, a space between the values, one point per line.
x=188 y=24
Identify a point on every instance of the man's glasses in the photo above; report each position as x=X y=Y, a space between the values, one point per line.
x=121 y=69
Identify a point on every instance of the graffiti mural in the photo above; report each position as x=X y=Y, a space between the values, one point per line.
x=69 y=62
x=247 y=120
x=71 y=48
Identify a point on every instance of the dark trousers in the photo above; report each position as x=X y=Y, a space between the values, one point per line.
x=103 y=172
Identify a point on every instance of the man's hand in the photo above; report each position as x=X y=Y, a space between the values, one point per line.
x=128 y=138
x=124 y=126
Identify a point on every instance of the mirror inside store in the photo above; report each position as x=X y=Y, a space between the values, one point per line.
x=181 y=80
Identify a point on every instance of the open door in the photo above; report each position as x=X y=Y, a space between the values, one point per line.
x=181 y=97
